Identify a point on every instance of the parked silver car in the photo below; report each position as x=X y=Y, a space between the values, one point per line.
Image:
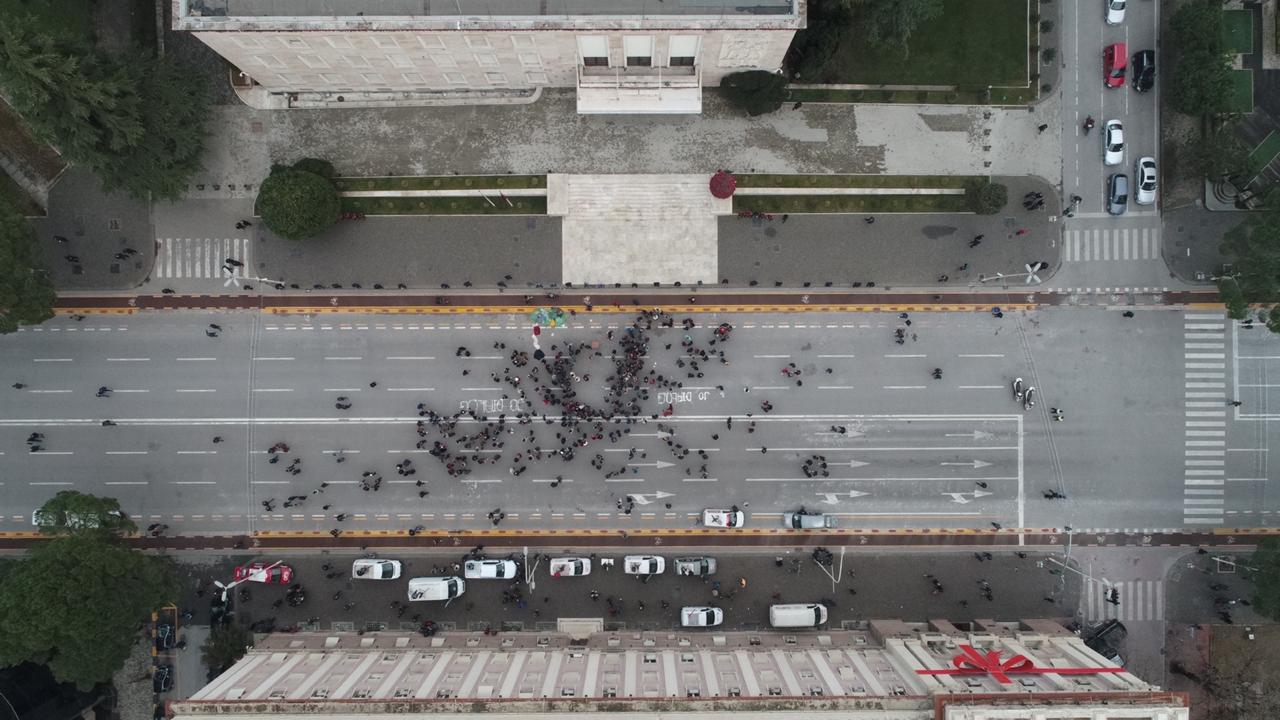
x=1117 y=193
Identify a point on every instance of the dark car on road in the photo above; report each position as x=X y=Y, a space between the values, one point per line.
x=162 y=679
x=1144 y=70
x=164 y=637
x=1117 y=193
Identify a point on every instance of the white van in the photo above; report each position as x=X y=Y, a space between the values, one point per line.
x=799 y=615
x=436 y=588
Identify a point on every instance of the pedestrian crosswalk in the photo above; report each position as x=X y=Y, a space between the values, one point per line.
x=201 y=257
x=1112 y=245
x=1205 y=433
x=1139 y=600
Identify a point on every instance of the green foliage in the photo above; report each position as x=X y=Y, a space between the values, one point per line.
x=1266 y=597
x=136 y=121
x=890 y=23
x=26 y=292
x=1233 y=297
x=74 y=605
x=225 y=645
x=986 y=198
x=174 y=111
x=1201 y=84
x=1197 y=27
x=297 y=204
x=323 y=168
x=814 y=46
x=89 y=514
x=755 y=91
x=1220 y=152
x=1253 y=248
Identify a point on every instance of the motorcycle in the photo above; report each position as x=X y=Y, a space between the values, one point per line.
x=1029 y=400
x=1017 y=389
x=1088 y=124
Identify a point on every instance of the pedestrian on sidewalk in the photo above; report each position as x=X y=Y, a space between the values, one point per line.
x=1042 y=128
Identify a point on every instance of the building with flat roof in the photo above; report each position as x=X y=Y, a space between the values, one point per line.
x=623 y=56
x=889 y=669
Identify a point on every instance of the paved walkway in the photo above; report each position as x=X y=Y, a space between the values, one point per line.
x=636 y=228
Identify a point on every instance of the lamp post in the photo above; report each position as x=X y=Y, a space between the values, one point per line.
x=1030 y=274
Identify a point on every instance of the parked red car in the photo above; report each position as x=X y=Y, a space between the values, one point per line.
x=258 y=572
x=1115 y=60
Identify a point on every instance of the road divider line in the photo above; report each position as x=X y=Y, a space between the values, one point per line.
x=195 y=359
x=53 y=360
x=50 y=392
x=270 y=359
x=192 y=390
x=270 y=390
x=128 y=359
x=126 y=452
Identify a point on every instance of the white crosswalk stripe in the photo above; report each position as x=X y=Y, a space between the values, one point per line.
x=1205 y=426
x=1139 y=600
x=200 y=257
x=1112 y=245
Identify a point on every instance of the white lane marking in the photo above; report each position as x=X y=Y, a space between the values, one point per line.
x=835 y=387
x=772 y=387
x=273 y=389
x=624 y=480
x=341 y=390
x=52 y=452
x=53 y=360
x=197 y=452
x=899 y=355
x=126 y=452
x=49 y=391
x=343 y=357
x=480 y=389
x=195 y=359
x=191 y=390
x=130 y=391
x=959 y=448
x=963 y=355
x=273 y=358
x=770 y=357
x=410 y=357
x=980 y=387
x=484 y=357
x=837 y=356
x=126 y=482
x=128 y=359
x=873 y=479
x=700 y=480
x=904 y=387
x=193 y=482
x=411 y=389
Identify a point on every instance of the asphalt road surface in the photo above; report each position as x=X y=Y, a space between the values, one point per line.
x=1143 y=444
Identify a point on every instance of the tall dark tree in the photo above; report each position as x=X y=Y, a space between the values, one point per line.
x=1200 y=83
x=75 y=604
x=26 y=291
x=137 y=122
x=1254 y=250
x=226 y=644
x=296 y=203
x=74 y=512
x=755 y=91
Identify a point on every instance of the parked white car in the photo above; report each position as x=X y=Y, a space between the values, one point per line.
x=644 y=564
x=489 y=569
x=570 y=567
x=1144 y=181
x=701 y=616
x=1113 y=143
x=723 y=518
x=375 y=569
x=1115 y=11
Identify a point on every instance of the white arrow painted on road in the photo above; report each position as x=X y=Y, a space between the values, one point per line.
x=830 y=498
x=658 y=464
x=975 y=464
x=976 y=435
x=657 y=434
x=965 y=498
x=853 y=463
x=646 y=498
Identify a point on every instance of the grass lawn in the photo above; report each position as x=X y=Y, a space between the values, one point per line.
x=1241 y=91
x=854 y=181
x=73 y=16
x=444 y=206
x=973 y=42
x=442 y=182
x=1265 y=152
x=851 y=203
x=1237 y=31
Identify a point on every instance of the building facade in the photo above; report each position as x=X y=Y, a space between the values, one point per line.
x=890 y=669
x=623 y=56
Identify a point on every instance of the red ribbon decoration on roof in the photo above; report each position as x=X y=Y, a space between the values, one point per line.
x=972 y=662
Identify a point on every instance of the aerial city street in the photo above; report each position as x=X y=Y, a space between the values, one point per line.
x=412 y=358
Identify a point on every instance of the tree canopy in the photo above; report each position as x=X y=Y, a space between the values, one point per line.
x=1200 y=83
x=226 y=644
x=987 y=198
x=74 y=605
x=1253 y=248
x=1266 y=599
x=296 y=203
x=755 y=91
x=26 y=290
x=137 y=121
x=73 y=512
x=1220 y=152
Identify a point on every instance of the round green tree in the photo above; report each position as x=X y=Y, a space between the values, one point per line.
x=987 y=198
x=297 y=204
